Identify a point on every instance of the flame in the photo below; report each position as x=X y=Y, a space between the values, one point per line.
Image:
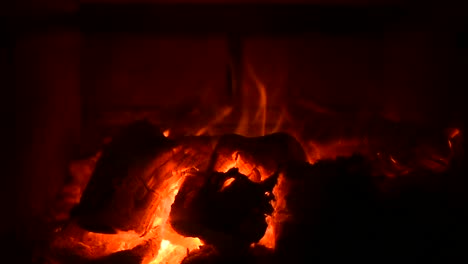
x=279 y=214
x=261 y=113
x=165 y=249
x=223 y=113
x=174 y=253
x=344 y=147
x=253 y=116
x=453 y=133
x=173 y=248
x=227 y=183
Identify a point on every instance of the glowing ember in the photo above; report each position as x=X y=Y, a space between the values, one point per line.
x=455 y=132
x=227 y=183
x=279 y=215
x=173 y=253
x=316 y=151
x=173 y=247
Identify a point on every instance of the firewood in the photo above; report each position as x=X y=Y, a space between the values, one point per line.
x=134 y=169
x=210 y=255
x=226 y=210
x=117 y=188
x=267 y=153
x=135 y=255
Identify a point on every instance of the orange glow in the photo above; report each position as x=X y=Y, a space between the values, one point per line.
x=256 y=109
x=279 y=215
x=316 y=151
x=171 y=247
x=454 y=132
x=227 y=183
x=223 y=113
x=260 y=115
x=174 y=253
x=254 y=114
x=93 y=245
x=227 y=165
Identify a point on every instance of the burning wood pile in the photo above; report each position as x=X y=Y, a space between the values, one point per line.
x=234 y=199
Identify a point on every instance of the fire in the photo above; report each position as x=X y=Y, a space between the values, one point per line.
x=260 y=116
x=255 y=119
x=173 y=247
x=279 y=215
x=453 y=133
x=173 y=253
x=227 y=183
x=223 y=113
x=316 y=151
x=166 y=250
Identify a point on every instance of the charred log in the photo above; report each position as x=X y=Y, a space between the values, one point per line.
x=267 y=153
x=123 y=191
x=341 y=213
x=210 y=255
x=335 y=211
x=225 y=210
x=135 y=255
x=117 y=195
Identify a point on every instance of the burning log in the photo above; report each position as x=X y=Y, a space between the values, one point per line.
x=209 y=254
x=226 y=210
x=138 y=166
x=266 y=154
x=220 y=189
x=129 y=196
x=135 y=255
x=120 y=191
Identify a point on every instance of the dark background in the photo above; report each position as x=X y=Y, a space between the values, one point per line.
x=72 y=70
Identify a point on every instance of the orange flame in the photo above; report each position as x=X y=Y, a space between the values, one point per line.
x=223 y=113
x=174 y=247
x=227 y=183
x=453 y=133
x=279 y=214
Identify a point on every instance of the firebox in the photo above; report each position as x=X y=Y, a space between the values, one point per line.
x=236 y=132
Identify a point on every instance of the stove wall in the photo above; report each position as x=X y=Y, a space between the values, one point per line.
x=46 y=81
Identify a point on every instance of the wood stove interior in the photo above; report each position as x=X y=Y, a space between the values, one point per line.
x=383 y=82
